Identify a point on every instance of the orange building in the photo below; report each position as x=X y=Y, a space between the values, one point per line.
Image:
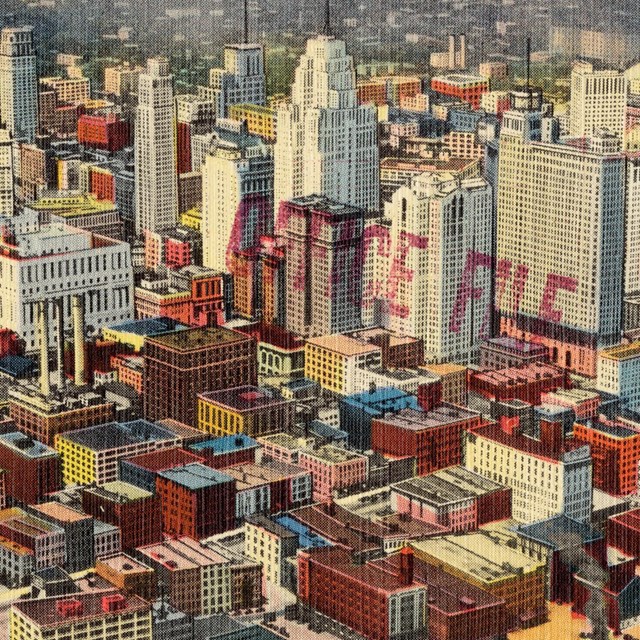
x=129 y=370
x=465 y=87
x=615 y=452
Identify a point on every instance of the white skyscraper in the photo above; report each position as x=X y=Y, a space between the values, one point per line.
x=241 y=81
x=326 y=142
x=560 y=240
x=598 y=100
x=237 y=193
x=155 y=149
x=439 y=248
x=6 y=174
x=18 y=83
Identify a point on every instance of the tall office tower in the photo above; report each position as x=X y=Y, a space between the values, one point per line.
x=323 y=248
x=242 y=80
x=598 y=100
x=18 y=83
x=155 y=149
x=326 y=142
x=194 y=116
x=632 y=228
x=560 y=240
x=237 y=194
x=439 y=259
x=6 y=174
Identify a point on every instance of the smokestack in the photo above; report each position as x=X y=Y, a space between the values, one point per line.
x=78 y=341
x=463 y=51
x=60 y=359
x=406 y=566
x=45 y=387
x=452 y=52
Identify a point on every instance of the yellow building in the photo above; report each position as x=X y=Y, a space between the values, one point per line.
x=192 y=218
x=249 y=410
x=260 y=120
x=99 y=616
x=331 y=361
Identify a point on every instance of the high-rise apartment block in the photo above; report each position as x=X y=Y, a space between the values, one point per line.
x=237 y=194
x=323 y=245
x=18 y=83
x=326 y=142
x=560 y=240
x=598 y=100
x=155 y=149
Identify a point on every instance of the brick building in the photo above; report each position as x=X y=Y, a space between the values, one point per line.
x=623 y=532
x=32 y=468
x=196 y=500
x=108 y=132
x=227 y=451
x=433 y=437
x=465 y=87
x=182 y=364
x=127 y=575
x=133 y=510
x=505 y=352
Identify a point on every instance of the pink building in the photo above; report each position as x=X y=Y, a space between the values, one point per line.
x=585 y=404
x=283 y=447
x=333 y=468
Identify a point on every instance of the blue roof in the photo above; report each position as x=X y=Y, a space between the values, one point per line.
x=148 y=326
x=385 y=399
x=306 y=537
x=27 y=447
x=325 y=430
x=195 y=476
x=226 y=444
x=17 y=366
x=558 y=532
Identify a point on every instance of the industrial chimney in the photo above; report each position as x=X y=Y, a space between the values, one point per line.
x=60 y=358
x=406 y=566
x=452 y=52
x=78 y=340
x=45 y=387
x=462 y=58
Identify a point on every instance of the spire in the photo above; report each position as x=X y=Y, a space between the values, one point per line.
x=245 y=33
x=327 y=18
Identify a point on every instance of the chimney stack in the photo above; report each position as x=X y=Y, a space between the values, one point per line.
x=452 y=52
x=45 y=387
x=462 y=60
x=406 y=566
x=78 y=341
x=60 y=359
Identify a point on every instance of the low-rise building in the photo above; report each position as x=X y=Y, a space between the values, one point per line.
x=584 y=403
x=505 y=352
x=127 y=575
x=619 y=373
x=455 y=498
x=228 y=450
x=106 y=539
x=453 y=378
x=270 y=544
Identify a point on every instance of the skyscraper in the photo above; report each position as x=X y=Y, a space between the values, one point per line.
x=326 y=142
x=18 y=83
x=440 y=250
x=598 y=100
x=560 y=240
x=6 y=174
x=155 y=149
x=323 y=248
x=237 y=194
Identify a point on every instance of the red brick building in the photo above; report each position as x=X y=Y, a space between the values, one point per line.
x=364 y=598
x=108 y=132
x=526 y=383
x=102 y=184
x=134 y=510
x=465 y=87
x=615 y=451
x=196 y=500
x=32 y=469
x=433 y=437
x=623 y=532
x=180 y=365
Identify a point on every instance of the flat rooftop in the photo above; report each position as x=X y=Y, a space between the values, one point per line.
x=117 y=490
x=163 y=459
x=343 y=345
x=195 y=476
x=182 y=553
x=332 y=454
x=418 y=420
x=270 y=525
x=225 y=444
x=122 y=563
x=623 y=352
x=255 y=475
x=514 y=345
x=245 y=398
x=45 y=612
x=25 y=446
x=60 y=512
x=519 y=375
x=198 y=338
x=147 y=326
x=447 y=486
x=617 y=430
x=560 y=532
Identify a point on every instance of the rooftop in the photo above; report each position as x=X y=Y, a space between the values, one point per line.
x=122 y=563
x=118 y=491
x=447 y=486
x=518 y=375
x=254 y=475
x=270 y=525
x=418 y=420
x=624 y=352
x=343 y=345
x=244 y=398
x=560 y=532
x=45 y=612
x=60 y=512
x=615 y=429
x=164 y=459
x=380 y=400
x=26 y=446
x=445 y=368
x=515 y=345
x=225 y=444
x=115 y=435
x=195 y=476
x=147 y=326
x=17 y=366
x=332 y=454
x=182 y=553
x=306 y=537
x=198 y=338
